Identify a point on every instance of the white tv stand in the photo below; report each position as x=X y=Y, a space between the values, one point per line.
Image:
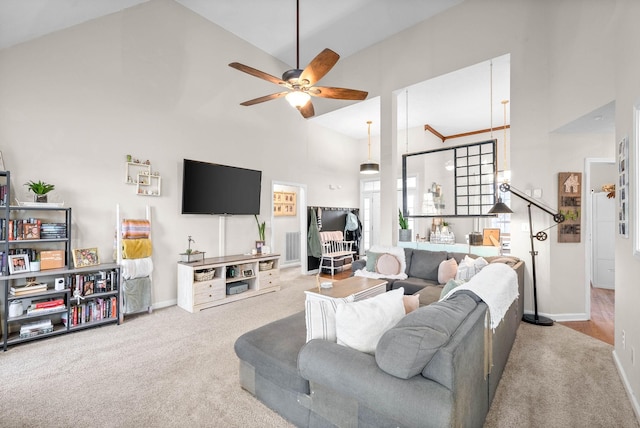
x=195 y=295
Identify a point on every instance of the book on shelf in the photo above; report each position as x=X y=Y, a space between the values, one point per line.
x=40 y=311
x=47 y=303
x=36 y=325
x=27 y=289
x=36 y=332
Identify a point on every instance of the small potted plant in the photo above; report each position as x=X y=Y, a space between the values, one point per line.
x=404 y=232
x=261 y=234
x=189 y=254
x=40 y=189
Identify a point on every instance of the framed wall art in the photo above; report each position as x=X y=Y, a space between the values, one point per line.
x=85 y=257
x=284 y=204
x=623 y=187
x=570 y=205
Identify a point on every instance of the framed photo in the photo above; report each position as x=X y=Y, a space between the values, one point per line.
x=247 y=272
x=491 y=237
x=85 y=257
x=623 y=187
x=18 y=263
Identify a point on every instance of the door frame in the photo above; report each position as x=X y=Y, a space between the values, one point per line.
x=588 y=266
x=301 y=210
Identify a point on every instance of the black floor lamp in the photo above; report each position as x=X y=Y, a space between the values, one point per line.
x=501 y=208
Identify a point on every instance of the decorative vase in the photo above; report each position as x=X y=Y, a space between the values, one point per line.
x=404 y=235
x=40 y=198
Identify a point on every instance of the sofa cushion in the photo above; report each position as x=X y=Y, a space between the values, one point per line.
x=320 y=316
x=425 y=264
x=447 y=270
x=412 y=285
x=406 y=349
x=360 y=324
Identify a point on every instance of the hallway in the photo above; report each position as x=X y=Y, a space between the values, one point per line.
x=601 y=324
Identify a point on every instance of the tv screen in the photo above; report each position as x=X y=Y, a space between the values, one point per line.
x=209 y=188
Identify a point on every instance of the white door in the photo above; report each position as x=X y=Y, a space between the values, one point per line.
x=370 y=215
x=603 y=235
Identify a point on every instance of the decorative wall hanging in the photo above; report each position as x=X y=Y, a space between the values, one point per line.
x=623 y=187
x=140 y=174
x=284 y=204
x=569 y=205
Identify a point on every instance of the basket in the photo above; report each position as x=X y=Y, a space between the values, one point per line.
x=265 y=265
x=204 y=275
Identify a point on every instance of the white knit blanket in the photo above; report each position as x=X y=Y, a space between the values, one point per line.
x=367 y=274
x=497 y=285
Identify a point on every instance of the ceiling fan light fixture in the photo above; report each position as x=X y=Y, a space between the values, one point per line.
x=297 y=98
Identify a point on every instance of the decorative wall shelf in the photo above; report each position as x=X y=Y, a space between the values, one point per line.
x=147 y=182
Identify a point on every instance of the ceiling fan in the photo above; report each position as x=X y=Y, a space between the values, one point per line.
x=300 y=83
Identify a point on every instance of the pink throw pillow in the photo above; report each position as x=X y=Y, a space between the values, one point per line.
x=447 y=270
x=387 y=265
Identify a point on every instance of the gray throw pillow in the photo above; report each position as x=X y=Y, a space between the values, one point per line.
x=425 y=264
x=406 y=349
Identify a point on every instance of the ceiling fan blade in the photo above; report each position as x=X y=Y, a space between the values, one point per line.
x=337 y=93
x=263 y=99
x=257 y=73
x=319 y=66
x=307 y=110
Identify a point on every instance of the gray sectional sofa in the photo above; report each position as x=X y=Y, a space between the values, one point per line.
x=446 y=377
x=422 y=272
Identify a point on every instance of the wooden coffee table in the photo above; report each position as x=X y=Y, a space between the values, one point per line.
x=359 y=286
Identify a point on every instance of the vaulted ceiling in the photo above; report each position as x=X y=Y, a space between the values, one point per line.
x=343 y=26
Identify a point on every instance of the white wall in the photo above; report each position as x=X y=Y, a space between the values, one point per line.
x=153 y=82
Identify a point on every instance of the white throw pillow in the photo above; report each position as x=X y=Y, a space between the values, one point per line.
x=320 y=317
x=468 y=267
x=361 y=324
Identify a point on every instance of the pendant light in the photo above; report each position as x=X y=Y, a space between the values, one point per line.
x=369 y=167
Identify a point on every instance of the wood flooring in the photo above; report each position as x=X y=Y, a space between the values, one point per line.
x=600 y=326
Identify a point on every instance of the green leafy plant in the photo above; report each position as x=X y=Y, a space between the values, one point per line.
x=404 y=223
x=261 y=228
x=189 y=250
x=40 y=187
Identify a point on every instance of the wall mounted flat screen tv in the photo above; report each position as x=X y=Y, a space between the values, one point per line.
x=209 y=188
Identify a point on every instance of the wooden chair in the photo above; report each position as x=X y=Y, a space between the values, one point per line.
x=336 y=252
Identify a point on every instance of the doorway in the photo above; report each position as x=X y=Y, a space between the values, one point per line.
x=288 y=229
x=598 y=172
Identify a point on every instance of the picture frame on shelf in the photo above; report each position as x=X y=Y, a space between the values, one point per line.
x=85 y=257
x=247 y=272
x=491 y=237
x=18 y=263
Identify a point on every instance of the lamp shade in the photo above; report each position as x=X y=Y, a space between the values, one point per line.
x=500 y=208
x=297 y=98
x=369 y=168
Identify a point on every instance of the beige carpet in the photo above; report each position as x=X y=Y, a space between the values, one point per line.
x=558 y=377
x=173 y=368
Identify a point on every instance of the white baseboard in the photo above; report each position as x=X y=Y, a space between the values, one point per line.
x=627 y=387
x=165 y=304
x=562 y=317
